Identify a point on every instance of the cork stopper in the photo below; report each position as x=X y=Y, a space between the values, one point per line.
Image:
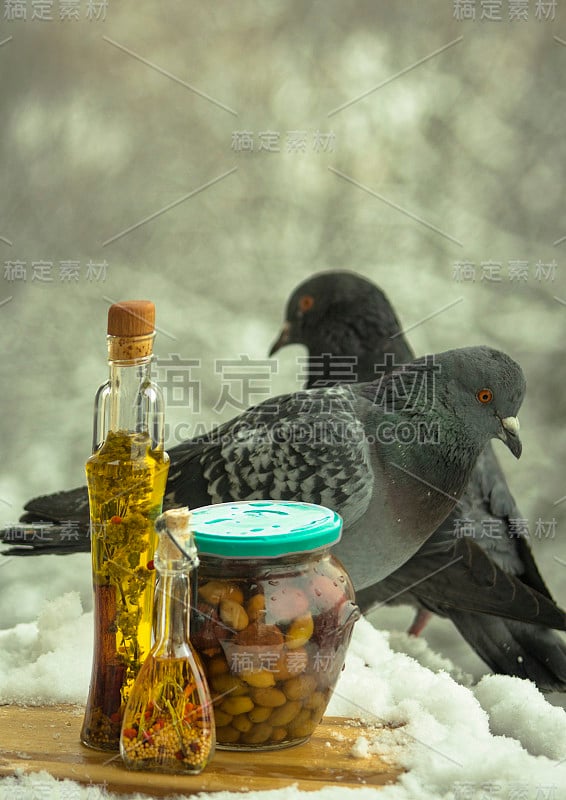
x=131 y=328
x=176 y=541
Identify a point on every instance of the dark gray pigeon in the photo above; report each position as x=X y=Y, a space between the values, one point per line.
x=352 y=333
x=328 y=446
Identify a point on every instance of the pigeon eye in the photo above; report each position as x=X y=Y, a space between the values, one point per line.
x=306 y=302
x=485 y=395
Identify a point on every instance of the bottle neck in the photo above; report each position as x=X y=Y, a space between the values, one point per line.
x=172 y=613
x=128 y=406
x=129 y=402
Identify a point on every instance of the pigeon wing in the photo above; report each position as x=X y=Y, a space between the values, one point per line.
x=309 y=446
x=461 y=575
x=490 y=516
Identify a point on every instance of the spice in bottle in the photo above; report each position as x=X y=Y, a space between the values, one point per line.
x=168 y=723
x=126 y=477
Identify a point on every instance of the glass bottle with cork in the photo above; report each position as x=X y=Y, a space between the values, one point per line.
x=126 y=477
x=168 y=723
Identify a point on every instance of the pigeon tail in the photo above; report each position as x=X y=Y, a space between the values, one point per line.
x=516 y=648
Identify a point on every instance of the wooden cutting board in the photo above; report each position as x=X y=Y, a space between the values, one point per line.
x=47 y=738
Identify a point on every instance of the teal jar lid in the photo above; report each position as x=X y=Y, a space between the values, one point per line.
x=264 y=528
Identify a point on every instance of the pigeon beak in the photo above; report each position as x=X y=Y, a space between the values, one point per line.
x=509 y=435
x=284 y=338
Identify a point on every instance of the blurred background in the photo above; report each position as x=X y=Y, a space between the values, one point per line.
x=211 y=156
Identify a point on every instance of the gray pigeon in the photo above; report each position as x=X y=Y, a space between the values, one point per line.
x=329 y=446
x=352 y=333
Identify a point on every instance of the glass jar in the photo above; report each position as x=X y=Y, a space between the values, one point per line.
x=273 y=620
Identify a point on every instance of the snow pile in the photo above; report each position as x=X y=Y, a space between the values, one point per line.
x=454 y=742
x=517 y=708
x=444 y=737
x=360 y=748
x=48 y=661
x=41 y=786
x=417 y=647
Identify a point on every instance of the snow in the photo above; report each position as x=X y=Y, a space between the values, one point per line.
x=48 y=661
x=360 y=748
x=518 y=706
x=453 y=740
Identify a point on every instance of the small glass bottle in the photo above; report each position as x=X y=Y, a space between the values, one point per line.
x=126 y=477
x=168 y=723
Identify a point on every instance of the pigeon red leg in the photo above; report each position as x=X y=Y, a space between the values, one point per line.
x=420 y=622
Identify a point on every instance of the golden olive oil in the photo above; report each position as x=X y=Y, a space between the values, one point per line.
x=126 y=482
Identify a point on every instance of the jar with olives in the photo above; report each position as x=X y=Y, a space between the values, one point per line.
x=273 y=618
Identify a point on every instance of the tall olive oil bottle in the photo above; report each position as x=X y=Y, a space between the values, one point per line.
x=126 y=476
